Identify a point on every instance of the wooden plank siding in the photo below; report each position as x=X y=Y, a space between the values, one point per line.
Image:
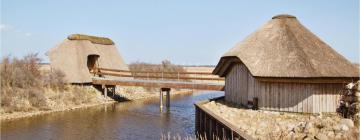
x=241 y=87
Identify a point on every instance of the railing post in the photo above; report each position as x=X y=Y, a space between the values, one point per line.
x=178 y=76
x=162 y=75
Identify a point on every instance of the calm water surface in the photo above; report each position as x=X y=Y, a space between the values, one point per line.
x=126 y=120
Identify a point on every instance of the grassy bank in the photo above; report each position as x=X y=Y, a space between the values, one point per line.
x=25 y=89
x=28 y=89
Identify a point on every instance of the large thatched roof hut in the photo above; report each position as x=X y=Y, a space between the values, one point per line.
x=283 y=66
x=77 y=54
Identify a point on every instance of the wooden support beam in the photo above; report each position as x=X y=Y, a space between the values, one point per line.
x=105 y=91
x=167 y=90
x=168 y=99
x=161 y=100
x=113 y=91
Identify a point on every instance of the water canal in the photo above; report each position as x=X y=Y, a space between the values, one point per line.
x=126 y=120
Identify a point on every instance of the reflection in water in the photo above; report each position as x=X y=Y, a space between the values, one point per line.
x=127 y=120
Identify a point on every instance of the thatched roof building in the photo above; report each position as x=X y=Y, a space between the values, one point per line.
x=78 y=53
x=278 y=62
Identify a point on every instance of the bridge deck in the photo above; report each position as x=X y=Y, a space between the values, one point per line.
x=157 y=83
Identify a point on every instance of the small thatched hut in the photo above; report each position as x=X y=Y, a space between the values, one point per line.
x=78 y=54
x=284 y=67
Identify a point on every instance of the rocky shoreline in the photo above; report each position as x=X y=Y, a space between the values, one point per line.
x=280 y=125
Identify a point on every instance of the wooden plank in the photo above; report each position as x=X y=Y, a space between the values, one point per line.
x=287 y=102
x=272 y=97
x=245 y=82
x=317 y=99
x=310 y=93
x=289 y=97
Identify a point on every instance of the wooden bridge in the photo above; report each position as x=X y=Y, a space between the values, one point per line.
x=178 y=80
x=110 y=78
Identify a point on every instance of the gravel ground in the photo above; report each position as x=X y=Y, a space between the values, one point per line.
x=279 y=125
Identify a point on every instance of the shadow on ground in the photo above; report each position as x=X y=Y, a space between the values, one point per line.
x=111 y=94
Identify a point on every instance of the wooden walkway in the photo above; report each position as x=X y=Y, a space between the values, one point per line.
x=157 y=83
x=178 y=80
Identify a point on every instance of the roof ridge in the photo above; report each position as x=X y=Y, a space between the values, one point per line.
x=92 y=39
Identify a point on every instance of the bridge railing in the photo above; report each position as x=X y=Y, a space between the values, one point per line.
x=163 y=75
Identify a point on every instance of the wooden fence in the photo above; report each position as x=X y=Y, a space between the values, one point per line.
x=212 y=127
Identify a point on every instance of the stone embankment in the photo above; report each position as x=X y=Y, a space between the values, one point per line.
x=350 y=103
x=279 y=125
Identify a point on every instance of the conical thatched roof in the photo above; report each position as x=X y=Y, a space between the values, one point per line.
x=283 y=47
x=71 y=55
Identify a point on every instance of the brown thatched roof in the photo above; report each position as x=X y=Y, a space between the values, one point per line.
x=70 y=56
x=285 y=48
x=93 y=39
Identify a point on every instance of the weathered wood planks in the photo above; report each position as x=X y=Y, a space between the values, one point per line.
x=312 y=97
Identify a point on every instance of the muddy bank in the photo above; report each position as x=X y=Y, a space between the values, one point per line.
x=19 y=115
x=276 y=125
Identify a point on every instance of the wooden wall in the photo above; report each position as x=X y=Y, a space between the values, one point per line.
x=241 y=87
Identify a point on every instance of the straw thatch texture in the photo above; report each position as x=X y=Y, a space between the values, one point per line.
x=93 y=39
x=285 y=48
x=71 y=58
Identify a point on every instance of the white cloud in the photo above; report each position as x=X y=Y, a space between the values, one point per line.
x=4 y=27
x=28 y=34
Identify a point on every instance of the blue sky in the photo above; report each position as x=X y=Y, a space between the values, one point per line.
x=184 y=31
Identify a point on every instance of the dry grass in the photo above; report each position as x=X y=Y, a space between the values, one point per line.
x=25 y=88
x=165 y=66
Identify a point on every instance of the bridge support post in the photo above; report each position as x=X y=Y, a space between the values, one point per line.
x=161 y=99
x=168 y=98
x=113 y=91
x=105 y=91
x=167 y=90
